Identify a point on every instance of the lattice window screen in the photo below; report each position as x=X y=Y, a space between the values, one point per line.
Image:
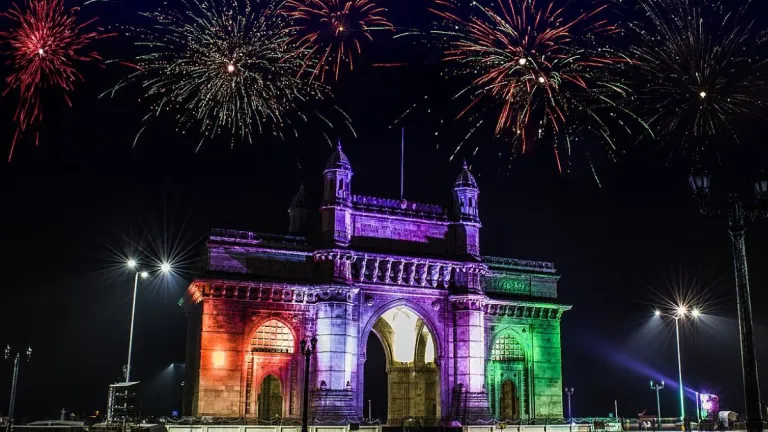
x=506 y=348
x=273 y=336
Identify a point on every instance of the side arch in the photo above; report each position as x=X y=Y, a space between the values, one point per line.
x=509 y=363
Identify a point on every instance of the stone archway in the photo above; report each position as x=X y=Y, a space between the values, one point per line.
x=270 y=400
x=413 y=376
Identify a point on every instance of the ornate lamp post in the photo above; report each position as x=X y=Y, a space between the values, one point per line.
x=16 y=361
x=569 y=392
x=307 y=352
x=657 y=387
x=132 y=264
x=736 y=213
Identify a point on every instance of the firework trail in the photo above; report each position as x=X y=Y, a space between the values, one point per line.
x=46 y=43
x=334 y=30
x=222 y=65
x=542 y=73
x=699 y=72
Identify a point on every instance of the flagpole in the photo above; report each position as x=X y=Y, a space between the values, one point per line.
x=402 y=161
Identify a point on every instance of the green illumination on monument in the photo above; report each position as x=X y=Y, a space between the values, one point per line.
x=466 y=337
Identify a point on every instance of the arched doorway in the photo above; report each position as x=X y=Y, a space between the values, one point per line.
x=507 y=377
x=270 y=399
x=412 y=375
x=269 y=363
x=509 y=404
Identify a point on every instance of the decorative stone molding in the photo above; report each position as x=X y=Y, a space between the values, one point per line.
x=468 y=302
x=526 y=310
x=271 y=292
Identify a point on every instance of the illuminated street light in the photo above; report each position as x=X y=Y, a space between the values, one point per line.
x=132 y=264
x=680 y=313
x=522 y=61
x=657 y=387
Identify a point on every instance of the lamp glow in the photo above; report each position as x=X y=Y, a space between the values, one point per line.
x=681 y=311
x=144 y=274
x=219 y=359
x=703 y=94
x=522 y=61
x=230 y=68
x=131 y=263
x=165 y=267
x=696 y=313
x=657 y=312
x=541 y=80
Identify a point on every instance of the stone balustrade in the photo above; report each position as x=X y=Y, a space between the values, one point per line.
x=405 y=271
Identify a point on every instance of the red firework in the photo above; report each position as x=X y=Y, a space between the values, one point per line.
x=544 y=71
x=334 y=29
x=45 y=44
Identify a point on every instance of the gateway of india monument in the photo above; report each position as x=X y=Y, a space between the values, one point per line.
x=467 y=337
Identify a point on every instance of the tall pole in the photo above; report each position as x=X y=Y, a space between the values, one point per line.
x=658 y=406
x=752 y=406
x=307 y=352
x=680 y=370
x=14 y=383
x=130 y=338
x=370 y=414
x=657 y=387
x=569 y=392
x=305 y=405
x=616 y=408
x=402 y=163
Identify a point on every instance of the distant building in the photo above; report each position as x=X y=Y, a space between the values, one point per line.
x=467 y=337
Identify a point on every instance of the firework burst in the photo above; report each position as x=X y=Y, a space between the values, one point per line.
x=222 y=65
x=46 y=44
x=699 y=71
x=334 y=30
x=545 y=67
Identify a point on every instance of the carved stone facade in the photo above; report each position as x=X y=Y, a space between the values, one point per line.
x=482 y=334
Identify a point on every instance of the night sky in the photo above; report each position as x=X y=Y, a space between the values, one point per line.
x=73 y=208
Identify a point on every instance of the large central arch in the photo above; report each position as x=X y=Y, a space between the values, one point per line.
x=413 y=374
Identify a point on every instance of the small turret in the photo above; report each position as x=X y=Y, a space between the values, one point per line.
x=298 y=213
x=337 y=199
x=465 y=210
x=338 y=178
x=465 y=194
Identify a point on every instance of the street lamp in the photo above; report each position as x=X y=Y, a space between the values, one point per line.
x=657 y=387
x=569 y=392
x=307 y=352
x=735 y=212
x=132 y=264
x=16 y=361
x=680 y=313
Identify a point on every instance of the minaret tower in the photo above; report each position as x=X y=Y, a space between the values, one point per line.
x=465 y=193
x=337 y=199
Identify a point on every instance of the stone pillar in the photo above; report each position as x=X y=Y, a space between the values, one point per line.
x=470 y=400
x=547 y=383
x=336 y=357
